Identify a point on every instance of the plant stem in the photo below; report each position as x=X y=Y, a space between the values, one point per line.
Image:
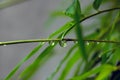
x=103 y=11
x=47 y=40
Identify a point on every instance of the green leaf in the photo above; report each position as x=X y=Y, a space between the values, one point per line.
x=114 y=23
x=61 y=63
x=106 y=71
x=35 y=50
x=88 y=73
x=31 y=69
x=53 y=16
x=103 y=69
x=63 y=28
x=96 y=4
x=115 y=57
x=70 y=11
x=76 y=56
x=81 y=43
x=79 y=30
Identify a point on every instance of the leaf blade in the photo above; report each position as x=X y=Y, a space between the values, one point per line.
x=35 y=50
x=31 y=69
x=61 y=63
x=76 y=56
x=96 y=4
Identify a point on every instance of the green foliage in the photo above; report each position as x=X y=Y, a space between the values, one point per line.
x=95 y=54
x=71 y=62
x=30 y=70
x=61 y=63
x=35 y=50
x=96 y=4
x=106 y=70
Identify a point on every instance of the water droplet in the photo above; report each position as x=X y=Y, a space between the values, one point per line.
x=99 y=56
x=76 y=42
x=63 y=43
x=4 y=45
x=87 y=43
x=51 y=43
x=98 y=42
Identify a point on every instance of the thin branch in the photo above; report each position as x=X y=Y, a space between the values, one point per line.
x=54 y=40
x=103 y=11
x=48 y=40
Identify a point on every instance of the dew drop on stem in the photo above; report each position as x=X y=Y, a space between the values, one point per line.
x=63 y=43
x=98 y=42
x=76 y=42
x=87 y=43
x=4 y=45
x=51 y=43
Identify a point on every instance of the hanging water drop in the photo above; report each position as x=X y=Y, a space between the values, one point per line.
x=98 y=42
x=4 y=45
x=63 y=43
x=99 y=56
x=76 y=42
x=87 y=43
x=51 y=43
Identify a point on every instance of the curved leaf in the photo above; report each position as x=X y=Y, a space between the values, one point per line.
x=70 y=11
x=35 y=50
x=96 y=4
x=87 y=74
x=105 y=72
x=63 y=28
x=61 y=63
x=79 y=34
x=69 y=65
x=31 y=69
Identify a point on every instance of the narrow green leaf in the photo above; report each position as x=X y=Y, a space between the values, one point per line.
x=31 y=69
x=115 y=57
x=35 y=50
x=61 y=63
x=105 y=72
x=88 y=73
x=76 y=56
x=70 y=11
x=79 y=30
x=96 y=4
x=66 y=26
x=81 y=43
x=63 y=28
x=114 y=24
x=53 y=16
x=106 y=56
